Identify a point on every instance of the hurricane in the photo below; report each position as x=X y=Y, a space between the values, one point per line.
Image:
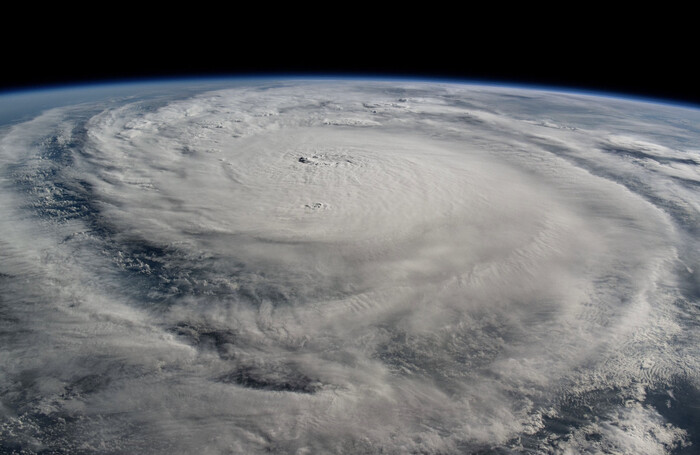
x=350 y=266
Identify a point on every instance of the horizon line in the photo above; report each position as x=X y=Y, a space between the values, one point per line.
x=98 y=83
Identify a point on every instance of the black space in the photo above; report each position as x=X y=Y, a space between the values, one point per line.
x=587 y=50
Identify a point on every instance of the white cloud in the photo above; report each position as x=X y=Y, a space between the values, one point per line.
x=434 y=275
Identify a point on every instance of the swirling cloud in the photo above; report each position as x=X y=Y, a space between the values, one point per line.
x=348 y=267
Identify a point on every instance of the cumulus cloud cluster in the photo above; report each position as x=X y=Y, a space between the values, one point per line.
x=350 y=267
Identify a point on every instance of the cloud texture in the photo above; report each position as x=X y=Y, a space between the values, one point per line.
x=350 y=267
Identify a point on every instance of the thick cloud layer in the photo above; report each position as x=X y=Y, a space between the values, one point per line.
x=351 y=267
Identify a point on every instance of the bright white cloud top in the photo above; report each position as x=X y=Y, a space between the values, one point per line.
x=350 y=267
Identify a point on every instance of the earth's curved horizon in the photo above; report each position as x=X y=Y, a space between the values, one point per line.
x=347 y=266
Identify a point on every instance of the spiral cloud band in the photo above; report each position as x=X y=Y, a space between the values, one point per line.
x=351 y=267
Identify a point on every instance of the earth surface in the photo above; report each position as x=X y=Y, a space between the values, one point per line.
x=328 y=266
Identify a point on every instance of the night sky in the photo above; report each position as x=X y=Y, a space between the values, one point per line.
x=591 y=51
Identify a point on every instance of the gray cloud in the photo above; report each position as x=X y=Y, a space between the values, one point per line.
x=348 y=268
